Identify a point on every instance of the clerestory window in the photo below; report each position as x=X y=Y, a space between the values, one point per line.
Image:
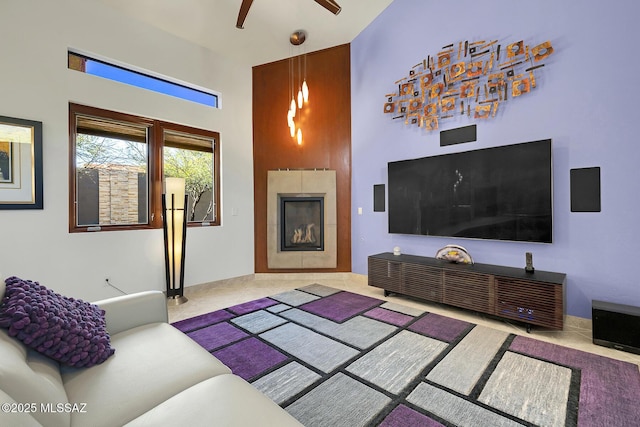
x=118 y=165
x=127 y=75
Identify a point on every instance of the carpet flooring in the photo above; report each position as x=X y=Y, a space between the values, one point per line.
x=334 y=358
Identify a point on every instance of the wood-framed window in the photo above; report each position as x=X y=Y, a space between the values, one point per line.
x=118 y=163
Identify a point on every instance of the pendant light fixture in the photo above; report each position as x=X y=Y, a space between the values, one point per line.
x=300 y=97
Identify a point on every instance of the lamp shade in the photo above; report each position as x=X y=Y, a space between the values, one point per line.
x=176 y=186
x=174 y=224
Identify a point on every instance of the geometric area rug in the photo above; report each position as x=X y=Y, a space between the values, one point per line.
x=335 y=358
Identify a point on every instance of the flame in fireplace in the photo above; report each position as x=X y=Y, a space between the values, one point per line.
x=304 y=234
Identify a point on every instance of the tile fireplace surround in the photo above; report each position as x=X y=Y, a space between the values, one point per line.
x=301 y=183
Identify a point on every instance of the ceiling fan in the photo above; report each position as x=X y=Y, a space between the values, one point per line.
x=330 y=5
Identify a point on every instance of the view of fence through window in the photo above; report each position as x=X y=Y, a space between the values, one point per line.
x=112 y=181
x=114 y=161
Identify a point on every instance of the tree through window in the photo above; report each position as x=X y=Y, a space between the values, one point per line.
x=191 y=157
x=119 y=162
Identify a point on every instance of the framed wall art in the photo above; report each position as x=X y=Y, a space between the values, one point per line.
x=20 y=163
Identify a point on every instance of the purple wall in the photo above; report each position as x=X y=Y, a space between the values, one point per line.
x=586 y=102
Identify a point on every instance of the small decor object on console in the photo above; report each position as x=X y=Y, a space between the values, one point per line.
x=396 y=250
x=529 y=259
x=454 y=253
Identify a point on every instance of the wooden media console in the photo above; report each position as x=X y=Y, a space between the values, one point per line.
x=536 y=298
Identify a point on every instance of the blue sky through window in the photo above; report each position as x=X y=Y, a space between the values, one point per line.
x=155 y=84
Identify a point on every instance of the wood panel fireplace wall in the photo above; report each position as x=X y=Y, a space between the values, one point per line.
x=306 y=236
x=326 y=145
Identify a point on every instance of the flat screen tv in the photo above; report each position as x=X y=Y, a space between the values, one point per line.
x=500 y=193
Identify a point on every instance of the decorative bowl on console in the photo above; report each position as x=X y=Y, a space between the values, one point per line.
x=454 y=253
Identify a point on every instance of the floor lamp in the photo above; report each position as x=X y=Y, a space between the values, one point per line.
x=174 y=224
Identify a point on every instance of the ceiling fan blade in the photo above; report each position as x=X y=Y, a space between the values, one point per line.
x=244 y=9
x=330 y=5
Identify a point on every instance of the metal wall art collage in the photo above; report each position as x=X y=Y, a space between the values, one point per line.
x=467 y=78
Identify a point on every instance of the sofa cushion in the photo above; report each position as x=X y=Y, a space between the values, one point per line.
x=129 y=311
x=222 y=401
x=15 y=418
x=70 y=331
x=29 y=377
x=153 y=363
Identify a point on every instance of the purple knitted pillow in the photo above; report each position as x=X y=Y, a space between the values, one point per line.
x=71 y=331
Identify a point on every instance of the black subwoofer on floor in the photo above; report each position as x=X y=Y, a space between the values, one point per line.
x=616 y=326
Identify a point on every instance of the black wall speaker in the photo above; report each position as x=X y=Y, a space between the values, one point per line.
x=378 y=198
x=458 y=136
x=616 y=326
x=585 y=190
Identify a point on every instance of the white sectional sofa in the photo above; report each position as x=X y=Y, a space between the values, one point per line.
x=157 y=377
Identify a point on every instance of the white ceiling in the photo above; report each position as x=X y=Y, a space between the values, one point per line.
x=265 y=37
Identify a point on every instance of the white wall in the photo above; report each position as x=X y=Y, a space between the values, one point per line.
x=35 y=84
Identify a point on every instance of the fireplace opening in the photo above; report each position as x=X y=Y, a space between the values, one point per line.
x=302 y=223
